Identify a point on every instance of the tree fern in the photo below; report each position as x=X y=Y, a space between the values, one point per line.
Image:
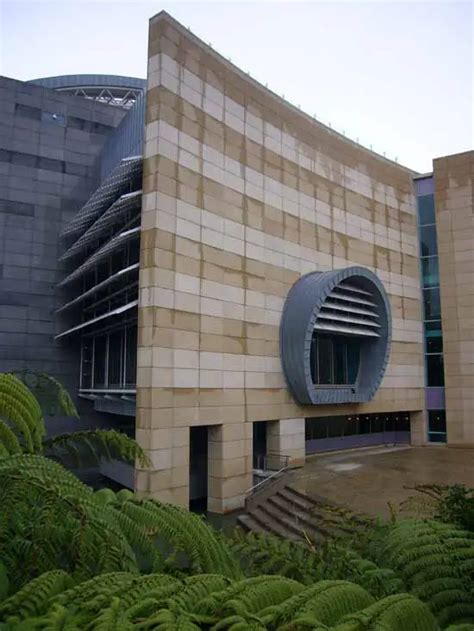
x=50 y=393
x=90 y=446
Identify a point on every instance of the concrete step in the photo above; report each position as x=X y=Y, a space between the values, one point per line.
x=321 y=517
x=250 y=524
x=326 y=509
x=293 y=528
x=268 y=523
x=314 y=527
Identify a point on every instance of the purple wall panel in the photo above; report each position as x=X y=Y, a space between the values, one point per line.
x=434 y=398
x=424 y=186
x=359 y=440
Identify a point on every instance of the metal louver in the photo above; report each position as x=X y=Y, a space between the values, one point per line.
x=349 y=310
x=113 y=186
x=125 y=203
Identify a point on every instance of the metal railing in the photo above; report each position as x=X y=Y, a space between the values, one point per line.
x=270 y=462
x=276 y=463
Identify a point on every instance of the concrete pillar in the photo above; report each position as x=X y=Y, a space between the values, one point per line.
x=167 y=479
x=419 y=428
x=287 y=438
x=229 y=466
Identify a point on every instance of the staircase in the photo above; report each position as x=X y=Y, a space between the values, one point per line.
x=291 y=514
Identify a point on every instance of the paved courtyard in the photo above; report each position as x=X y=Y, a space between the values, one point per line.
x=366 y=480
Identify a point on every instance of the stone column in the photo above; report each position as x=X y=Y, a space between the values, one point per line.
x=287 y=438
x=418 y=428
x=229 y=466
x=167 y=479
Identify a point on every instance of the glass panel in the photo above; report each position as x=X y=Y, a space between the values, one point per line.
x=429 y=246
x=434 y=341
x=430 y=271
x=426 y=209
x=353 y=358
x=313 y=359
x=377 y=424
x=437 y=438
x=115 y=359
x=437 y=421
x=401 y=422
x=432 y=303
x=433 y=328
x=51 y=117
x=364 y=424
x=99 y=361
x=318 y=427
x=388 y=425
x=434 y=370
x=325 y=360
x=86 y=365
x=131 y=357
x=335 y=426
x=340 y=361
x=351 y=426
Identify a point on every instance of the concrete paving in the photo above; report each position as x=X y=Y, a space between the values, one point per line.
x=367 y=480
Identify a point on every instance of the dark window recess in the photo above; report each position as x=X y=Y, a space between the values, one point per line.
x=52 y=117
x=434 y=341
x=100 y=352
x=24 y=159
x=27 y=111
x=334 y=360
x=430 y=271
x=432 y=305
x=48 y=164
x=426 y=210
x=115 y=359
x=342 y=426
x=74 y=122
x=75 y=169
x=429 y=246
x=30 y=160
x=434 y=370
x=437 y=426
x=17 y=208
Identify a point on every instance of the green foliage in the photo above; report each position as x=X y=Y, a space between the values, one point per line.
x=448 y=503
x=90 y=446
x=269 y=554
x=22 y=428
x=20 y=413
x=50 y=520
x=52 y=396
x=124 y=601
x=435 y=561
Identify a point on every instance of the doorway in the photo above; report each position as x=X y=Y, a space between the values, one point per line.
x=198 y=454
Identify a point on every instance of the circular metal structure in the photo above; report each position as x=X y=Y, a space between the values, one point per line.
x=111 y=89
x=351 y=302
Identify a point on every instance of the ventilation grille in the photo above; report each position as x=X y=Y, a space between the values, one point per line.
x=349 y=310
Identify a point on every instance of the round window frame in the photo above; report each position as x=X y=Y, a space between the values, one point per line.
x=302 y=306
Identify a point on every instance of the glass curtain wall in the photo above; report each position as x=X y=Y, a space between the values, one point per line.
x=433 y=332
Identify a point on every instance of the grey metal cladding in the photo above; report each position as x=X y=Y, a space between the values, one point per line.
x=302 y=306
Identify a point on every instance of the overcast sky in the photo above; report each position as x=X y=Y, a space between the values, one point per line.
x=397 y=75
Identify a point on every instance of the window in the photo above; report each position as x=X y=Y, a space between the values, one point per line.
x=428 y=242
x=27 y=111
x=426 y=209
x=115 y=359
x=434 y=370
x=430 y=271
x=334 y=360
x=432 y=303
x=437 y=426
x=100 y=353
x=434 y=338
x=52 y=117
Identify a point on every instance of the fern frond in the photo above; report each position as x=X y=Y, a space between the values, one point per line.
x=50 y=392
x=94 y=445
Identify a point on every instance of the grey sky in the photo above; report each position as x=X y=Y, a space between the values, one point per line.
x=397 y=75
